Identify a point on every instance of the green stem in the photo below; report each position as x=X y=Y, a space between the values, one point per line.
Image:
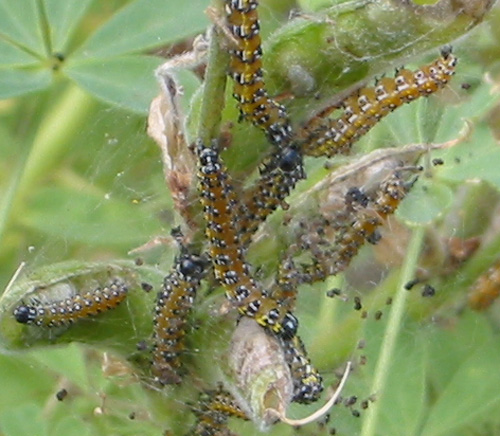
x=51 y=142
x=10 y=194
x=213 y=89
x=392 y=331
x=328 y=309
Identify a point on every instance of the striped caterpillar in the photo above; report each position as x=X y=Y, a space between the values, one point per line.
x=71 y=309
x=486 y=289
x=286 y=283
x=173 y=304
x=278 y=178
x=220 y=206
x=283 y=169
x=246 y=70
x=352 y=235
x=307 y=382
x=212 y=413
x=367 y=106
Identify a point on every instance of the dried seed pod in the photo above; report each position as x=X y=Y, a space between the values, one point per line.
x=261 y=375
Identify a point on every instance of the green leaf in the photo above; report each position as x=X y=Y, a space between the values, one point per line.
x=312 y=5
x=476 y=159
x=19 y=24
x=99 y=221
x=72 y=426
x=126 y=81
x=426 y=201
x=63 y=17
x=18 y=82
x=449 y=348
x=145 y=24
x=405 y=386
x=12 y=55
x=21 y=379
x=67 y=361
x=476 y=106
x=23 y=420
x=471 y=395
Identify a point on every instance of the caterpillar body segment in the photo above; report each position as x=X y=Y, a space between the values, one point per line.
x=73 y=308
x=246 y=70
x=220 y=206
x=352 y=235
x=486 y=288
x=173 y=305
x=307 y=382
x=212 y=413
x=279 y=176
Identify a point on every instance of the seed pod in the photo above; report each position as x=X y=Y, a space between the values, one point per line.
x=261 y=376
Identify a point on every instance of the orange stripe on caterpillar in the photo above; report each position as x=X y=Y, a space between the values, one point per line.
x=212 y=413
x=246 y=69
x=486 y=289
x=367 y=106
x=173 y=305
x=220 y=206
x=72 y=309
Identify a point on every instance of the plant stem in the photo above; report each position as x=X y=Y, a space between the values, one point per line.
x=51 y=142
x=10 y=194
x=392 y=331
x=213 y=89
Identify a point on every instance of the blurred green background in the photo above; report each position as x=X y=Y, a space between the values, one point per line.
x=81 y=180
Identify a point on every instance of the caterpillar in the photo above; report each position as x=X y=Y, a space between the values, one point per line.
x=362 y=228
x=220 y=206
x=71 y=309
x=212 y=413
x=307 y=382
x=246 y=70
x=486 y=289
x=173 y=304
x=286 y=283
x=363 y=109
x=278 y=177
